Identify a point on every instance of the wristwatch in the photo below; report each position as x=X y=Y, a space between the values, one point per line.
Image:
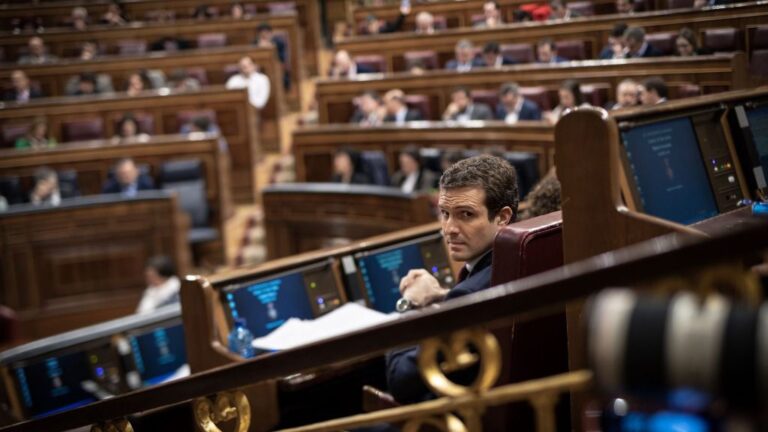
x=403 y=305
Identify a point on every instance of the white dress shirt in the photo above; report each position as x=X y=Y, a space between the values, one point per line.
x=155 y=297
x=257 y=85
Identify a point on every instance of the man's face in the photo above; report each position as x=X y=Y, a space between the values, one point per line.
x=246 y=66
x=684 y=48
x=373 y=26
x=20 y=81
x=566 y=98
x=490 y=11
x=544 y=52
x=466 y=229
x=407 y=164
x=127 y=173
x=464 y=54
x=392 y=105
x=509 y=99
x=623 y=6
x=648 y=97
x=627 y=95
x=36 y=46
x=633 y=45
x=86 y=87
x=424 y=24
x=490 y=58
x=152 y=277
x=368 y=104
x=460 y=99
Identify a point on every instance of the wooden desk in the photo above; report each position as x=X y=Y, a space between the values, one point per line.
x=65 y=42
x=235 y=116
x=314 y=146
x=458 y=13
x=713 y=73
x=56 y=13
x=53 y=77
x=302 y=217
x=593 y=30
x=83 y=262
x=93 y=160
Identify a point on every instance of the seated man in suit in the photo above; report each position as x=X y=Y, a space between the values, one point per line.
x=492 y=14
x=266 y=38
x=546 y=52
x=636 y=46
x=396 y=110
x=344 y=67
x=492 y=56
x=465 y=57
x=21 y=90
x=478 y=197
x=513 y=107
x=127 y=181
x=627 y=95
x=653 y=91
x=368 y=111
x=462 y=108
x=412 y=176
x=46 y=190
x=615 y=47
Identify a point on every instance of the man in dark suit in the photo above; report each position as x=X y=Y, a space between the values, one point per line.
x=127 y=181
x=637 y=46
x=513 y=107
x=345 y=67
x=546 y=52
x=266 y=38
x=412 y=176
x=462 y=108
x=492 y=56
x=478 y=197
x=22 y=90
x=396 y=110
x=465 y=59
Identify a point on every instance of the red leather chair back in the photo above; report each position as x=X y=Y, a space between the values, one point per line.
x=538 y=347
x=539 y=95
x=426 y=58
x=726 y=39
x=520 y=52
x=596 y=94
x=488 y=97
x=212 y=40
x=419 y=103
x=663 y=41
x=375 y=62
x=82 y=129
x=572 y=49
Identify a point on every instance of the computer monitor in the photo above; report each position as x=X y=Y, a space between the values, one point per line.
x=158 y=352
x=380 y=270
x=667 y=170
x=758 y=128
x=267 y=303
x=53 y=384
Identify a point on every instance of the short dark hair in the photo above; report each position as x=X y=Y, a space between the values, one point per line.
x=413 y=152
x=510 y=87
x=88 y=77
x=127 y=117
x=163 y=265
x=202 y=122
x=491 y=47
x=635 y=33
x=460 y=89
x=547 y=41
x=373 y=94
x=264 y=26
x=619 y=29
x=574 y=87
x=495 y=175
x=658 y=85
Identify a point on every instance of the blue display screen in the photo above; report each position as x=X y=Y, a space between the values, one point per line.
x=268 y=304
x=382 y=271
x=159 y=353
x=758 y=124
x=54 y=384
x=669 y=172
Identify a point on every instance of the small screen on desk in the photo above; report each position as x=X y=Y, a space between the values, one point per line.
x=159 y=352
x=268 y=303
x=382 y=269
x=758 y=125
x=669 y=174
x=54 y=384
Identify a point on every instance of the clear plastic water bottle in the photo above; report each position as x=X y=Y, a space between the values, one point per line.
x=241 y=339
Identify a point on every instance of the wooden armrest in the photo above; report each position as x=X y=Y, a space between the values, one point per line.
x=377 y=400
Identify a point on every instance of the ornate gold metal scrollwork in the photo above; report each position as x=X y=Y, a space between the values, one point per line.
x=445 y=423
x=457 y=355
x=113 y=426
x=226 y=406
x=731 y=280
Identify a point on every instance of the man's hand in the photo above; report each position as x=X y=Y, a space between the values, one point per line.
x=421 y=288
x=450 y=110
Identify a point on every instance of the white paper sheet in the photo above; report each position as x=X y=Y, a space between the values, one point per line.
x=296 y=332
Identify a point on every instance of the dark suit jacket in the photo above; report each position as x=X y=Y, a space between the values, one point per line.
x=410 y=115
x=529 y=111
x=504 y=61
x=403 y=377
x=454 y=64
x=478 y=111
x=357 y=178
x=34 y=93
x=427 y=180
x=144 y=182
x=650 y=51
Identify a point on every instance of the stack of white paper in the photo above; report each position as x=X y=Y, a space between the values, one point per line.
x=296 y=332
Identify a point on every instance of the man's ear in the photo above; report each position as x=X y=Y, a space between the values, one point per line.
x=505 y=215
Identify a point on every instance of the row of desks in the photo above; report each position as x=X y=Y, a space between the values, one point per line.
x=594 y=31
x=302 y=28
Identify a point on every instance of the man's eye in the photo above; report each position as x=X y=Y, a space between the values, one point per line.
x=444 y=214
x=467 y=214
